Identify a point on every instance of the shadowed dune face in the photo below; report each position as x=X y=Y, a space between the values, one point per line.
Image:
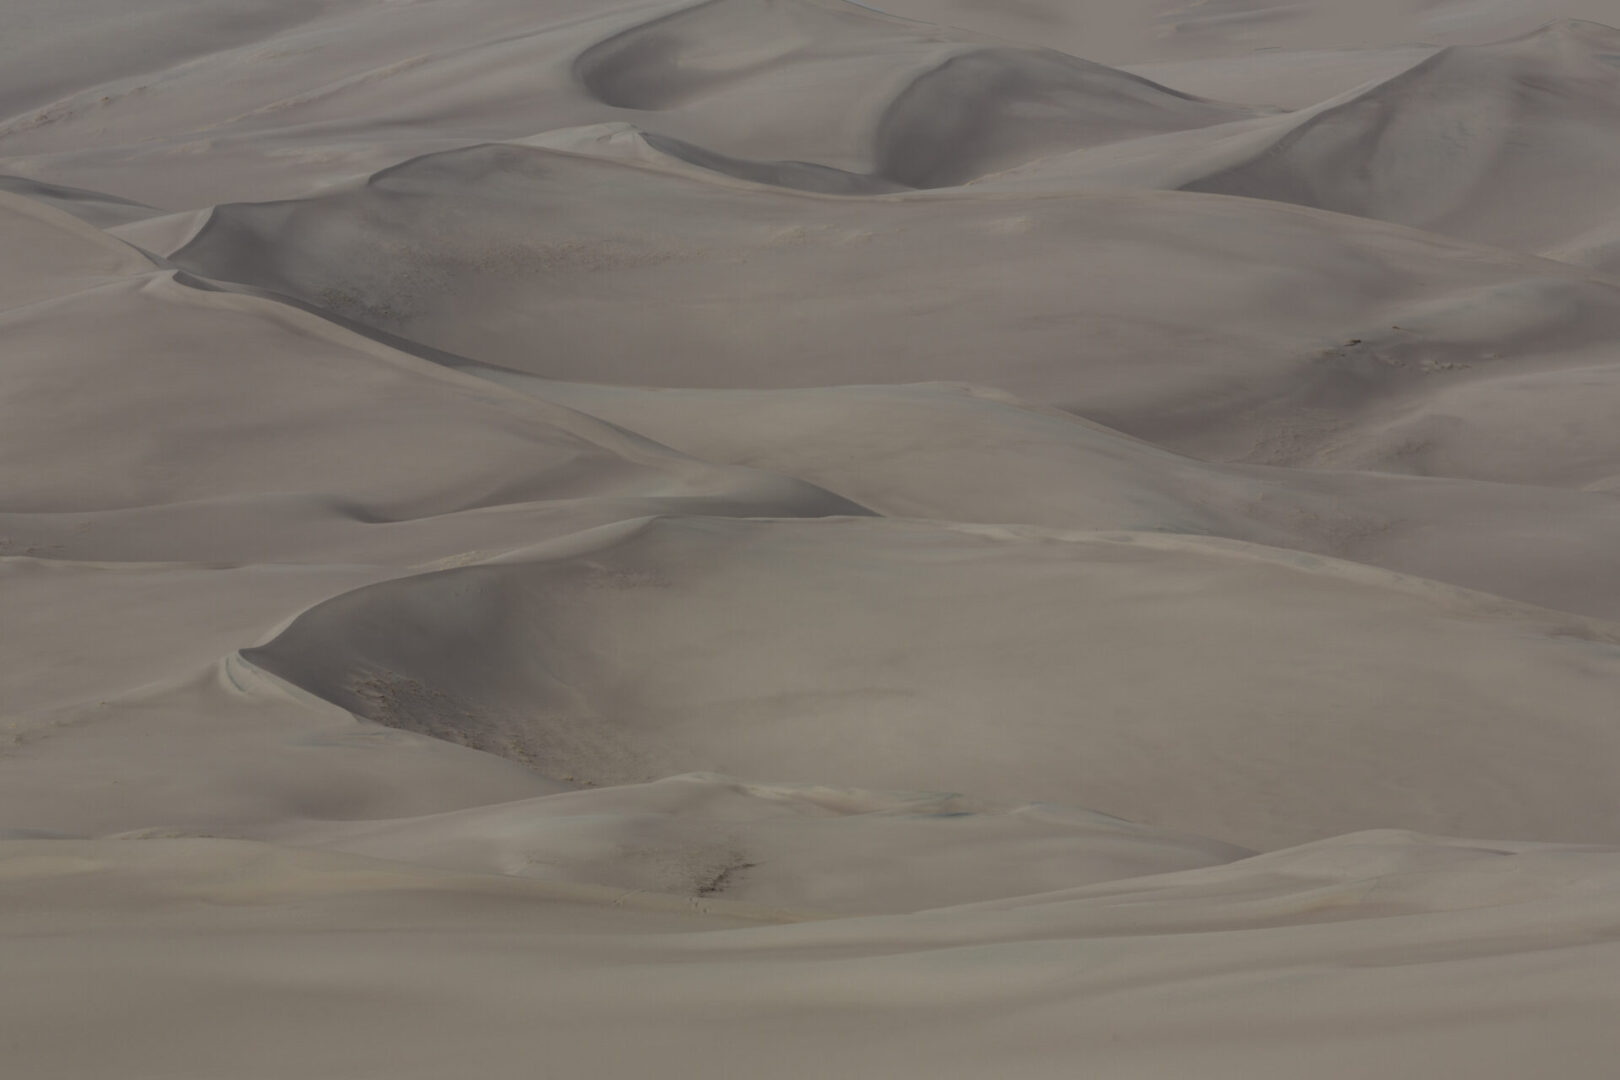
x=1513 y=144
x=1118 y=674
x=980 y=538
x=64 y=46
x=986 y=110
x=956 y=108
x=1234 y=329
x=718 y=44
x=253 y=390
x=89 y=206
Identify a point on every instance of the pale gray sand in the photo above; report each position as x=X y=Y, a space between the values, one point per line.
x=780 y=538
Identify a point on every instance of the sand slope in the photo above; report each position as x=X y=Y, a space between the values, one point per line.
x=364 y=83
x=805 y=848
x=780 y=538
x=1121 y=674
x=1231 y=329
x=1368 y=953
x=964 y=453
x=1509 y=144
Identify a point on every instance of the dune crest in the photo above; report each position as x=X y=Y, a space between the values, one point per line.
x=781 y=538
x=1504 y=144
x=564 y=663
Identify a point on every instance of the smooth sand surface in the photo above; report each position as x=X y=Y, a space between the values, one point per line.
x=782 y=538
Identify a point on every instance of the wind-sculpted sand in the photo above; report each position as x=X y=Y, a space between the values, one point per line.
x=781 y=538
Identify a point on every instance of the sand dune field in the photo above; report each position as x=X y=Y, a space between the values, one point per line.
x=803 y=538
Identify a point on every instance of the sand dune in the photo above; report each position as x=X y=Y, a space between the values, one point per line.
x=982 y=111
x=1509 y=144
x=706 y=49
x=342 y=89
x=792 y=662
x=960 y=453
x=221 y=749
x=781 y=846
x=1294 y=78
x=1598 y=248
x=1294 y=338
x=976 y=111
x=782 y=538
x=961 y=112
x=359 y=85
x=1454 y=143
x=461 y=446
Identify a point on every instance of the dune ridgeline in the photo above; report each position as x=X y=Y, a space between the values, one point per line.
x=778 y=538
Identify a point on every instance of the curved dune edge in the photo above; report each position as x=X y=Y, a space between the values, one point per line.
x=1503 y=144
x=561 y=664
x=616 y=540
x=956 y=452
x=1230 y=329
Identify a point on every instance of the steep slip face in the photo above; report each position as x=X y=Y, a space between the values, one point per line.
x=1233 y=329
x=92 y=207
x=357 y=86
x=951 y=107
x=984 y=111
x=1190 y=683
x=1516 y=144
x=1511 y=144
x=185 y=394
x=706 y=49
x=159 y=435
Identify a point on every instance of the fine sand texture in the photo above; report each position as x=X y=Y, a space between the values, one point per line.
x=801 y=538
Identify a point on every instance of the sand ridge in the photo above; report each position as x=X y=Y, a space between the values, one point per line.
x=944 y=538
